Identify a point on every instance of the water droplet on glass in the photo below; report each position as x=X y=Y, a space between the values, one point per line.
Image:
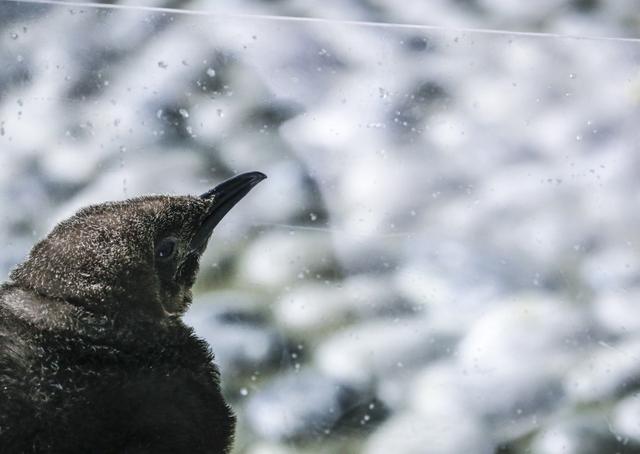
x=244 y=391
x=572 y=76
x=20 y=58
x=384 y=94
x=163 y=64
x=313 y=216
x=220 y=113
x=536 y=280
x=14 y=35
x=211 y=72
x=578 y=138
x=123 y=149
x=184 y=113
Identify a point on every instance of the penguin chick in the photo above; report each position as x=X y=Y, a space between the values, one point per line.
x=94 y=356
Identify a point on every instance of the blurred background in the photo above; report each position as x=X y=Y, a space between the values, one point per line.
x=445 y=258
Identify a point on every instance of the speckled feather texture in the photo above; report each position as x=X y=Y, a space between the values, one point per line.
x=94 y=356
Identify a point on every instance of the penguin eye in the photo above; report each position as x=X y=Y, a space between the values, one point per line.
x=166 y=249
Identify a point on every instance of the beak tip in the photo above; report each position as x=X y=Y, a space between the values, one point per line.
x=258 y=176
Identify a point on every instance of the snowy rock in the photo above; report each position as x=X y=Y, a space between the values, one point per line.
x=280 y=258
x=617 y=311
x=298 y=405
x=289 y=196
x=454 y=294
x=449 y=431
x=245 y=150
x=69 y=166
x=373 y=195
x=270 y=448
x=370 y=351
x=436 y=388
x=514 y=11
x=625 y=420
x=513 y=359
x=313 y=306
x=612 y=268
x=610 y=371
x=583 y=434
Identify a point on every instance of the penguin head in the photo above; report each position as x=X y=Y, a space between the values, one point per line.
x=138 y=256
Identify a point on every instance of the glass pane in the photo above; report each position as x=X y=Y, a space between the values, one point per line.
x=445 y=257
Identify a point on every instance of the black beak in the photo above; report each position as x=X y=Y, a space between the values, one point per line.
x=224 y=197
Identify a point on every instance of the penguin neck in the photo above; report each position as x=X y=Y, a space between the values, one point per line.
x=57 y=314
